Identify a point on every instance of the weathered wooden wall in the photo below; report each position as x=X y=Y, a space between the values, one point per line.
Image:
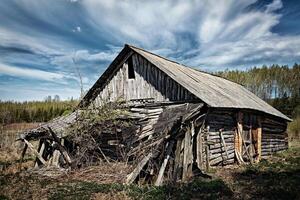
x=274 y=136
x=260 y=136
x=222 y=126
x=149 y=82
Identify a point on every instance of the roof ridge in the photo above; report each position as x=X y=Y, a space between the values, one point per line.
x=193 y=68
x=132 y=46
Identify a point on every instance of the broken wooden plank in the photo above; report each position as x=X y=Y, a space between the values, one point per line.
x=159 y=179
x=132 y=176
x=61 y=148
x=199 y=149
x=41 y=151
x=36 y=153
x=224 y=143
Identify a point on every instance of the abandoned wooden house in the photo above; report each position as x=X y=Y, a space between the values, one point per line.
x=185 y=120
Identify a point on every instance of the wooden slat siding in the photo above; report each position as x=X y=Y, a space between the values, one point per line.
x=149 y=82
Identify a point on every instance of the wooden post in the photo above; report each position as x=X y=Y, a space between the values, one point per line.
x=238 y=138
x=199 y=150
x=224 y=143
x=259 y=135
x=207 y=153
x=240 y=131
x=178 y=159
x=251 y=145
x=186 y=156
x=191 y=155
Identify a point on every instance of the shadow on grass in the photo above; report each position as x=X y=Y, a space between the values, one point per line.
x=271 y=180
x=198 y=189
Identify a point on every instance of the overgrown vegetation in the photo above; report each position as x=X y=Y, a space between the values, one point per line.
x=34 y=111
x=97 y=127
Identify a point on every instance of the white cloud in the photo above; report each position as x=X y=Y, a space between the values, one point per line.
x=77 y=29
x=30 y=73
x=275 y=5
x=200 y=33
x=80 y=56
x=224 y=33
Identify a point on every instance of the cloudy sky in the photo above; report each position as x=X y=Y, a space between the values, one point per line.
x=45 y=44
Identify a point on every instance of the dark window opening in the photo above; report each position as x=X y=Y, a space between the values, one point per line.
x=131 y=74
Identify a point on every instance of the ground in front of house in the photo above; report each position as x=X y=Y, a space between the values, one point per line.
x=278 y=177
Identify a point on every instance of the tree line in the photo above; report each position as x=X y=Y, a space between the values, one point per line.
x=278 y=85
x=34 y=111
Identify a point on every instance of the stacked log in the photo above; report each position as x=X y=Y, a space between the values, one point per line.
x=219 y=119
x=221 y=145
x=274 y=136
x=221 y=125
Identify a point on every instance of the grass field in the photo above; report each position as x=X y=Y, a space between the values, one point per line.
x=278 y=177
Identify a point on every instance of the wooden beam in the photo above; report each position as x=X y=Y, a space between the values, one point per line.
x=41 y=151
x=60 y=147
x=207 y=153
x=36 y=153
x=22 y=156
x=159 y=179
x=186 y=156
x=224 y=143
x=178 y=159
x=259 y=137
x=199 y=144
x=132 y=176
x=238 y=138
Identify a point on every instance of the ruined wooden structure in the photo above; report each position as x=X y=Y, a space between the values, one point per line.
x=186 y=120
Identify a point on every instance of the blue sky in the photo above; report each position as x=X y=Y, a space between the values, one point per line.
x=45 y=44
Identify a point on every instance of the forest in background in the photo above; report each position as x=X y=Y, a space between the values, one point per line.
x=34 y=111
x=278 y=85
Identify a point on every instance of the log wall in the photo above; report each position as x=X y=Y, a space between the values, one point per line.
x=149 y=83
x=274 y=136
x=221 y=127
x=268 y=135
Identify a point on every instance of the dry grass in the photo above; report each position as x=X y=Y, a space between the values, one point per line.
x=10 y=149
x=104 y=173
x=278 y=177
